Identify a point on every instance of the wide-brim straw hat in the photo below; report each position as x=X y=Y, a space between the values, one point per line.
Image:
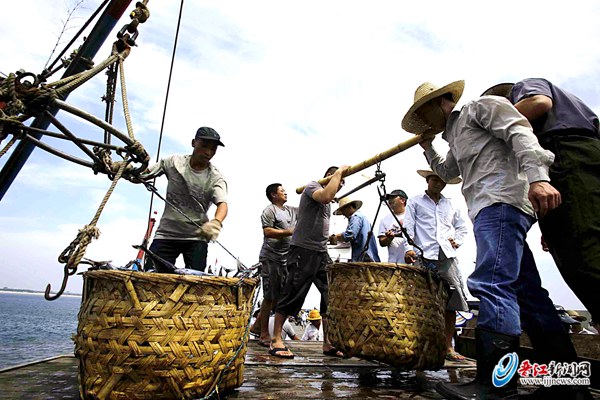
x=501 y=89
x=344 y=202
x=427 y=91
x=427 y=172
x=576 y=316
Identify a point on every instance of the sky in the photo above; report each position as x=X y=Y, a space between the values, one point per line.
x=292 y=88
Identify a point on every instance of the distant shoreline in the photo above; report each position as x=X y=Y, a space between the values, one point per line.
x=35 y=293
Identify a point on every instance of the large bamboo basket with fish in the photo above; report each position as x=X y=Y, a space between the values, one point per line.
x=392 y=313
x=161 y=336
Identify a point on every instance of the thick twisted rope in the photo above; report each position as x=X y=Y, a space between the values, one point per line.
x=89 y=231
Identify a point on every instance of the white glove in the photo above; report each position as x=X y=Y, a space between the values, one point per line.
x=210 y=230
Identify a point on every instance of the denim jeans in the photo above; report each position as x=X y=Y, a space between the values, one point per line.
x=506 y=280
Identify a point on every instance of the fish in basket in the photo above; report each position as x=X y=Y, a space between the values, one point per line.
x=161 y=336
x=392 y=313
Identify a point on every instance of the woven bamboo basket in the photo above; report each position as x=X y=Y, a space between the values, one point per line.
x=161 y=336
x=392 y=313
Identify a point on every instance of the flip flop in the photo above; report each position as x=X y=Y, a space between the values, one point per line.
x=455 y=357
x=333 y=352
x=275 y=352
x=264 y=344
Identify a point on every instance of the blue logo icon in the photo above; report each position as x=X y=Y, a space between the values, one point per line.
x=505 y=370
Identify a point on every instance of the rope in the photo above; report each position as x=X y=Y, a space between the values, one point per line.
x=12 y=141
x=88 y=232
x=85 y=76
x=124 y=100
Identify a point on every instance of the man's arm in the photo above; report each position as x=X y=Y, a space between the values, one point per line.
x=327 y=194
x=460 y=229
x=221 y=212
x=445 y=168
x=534 y=107
x=410 y=256
x=505 y=122
x=153 y=171
x=274 y=233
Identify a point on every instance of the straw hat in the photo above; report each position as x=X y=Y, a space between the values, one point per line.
x=576 y=316
x=501 y=89
x=314 y=315
x=344 y=202
x=428 y=91
x=427 y=172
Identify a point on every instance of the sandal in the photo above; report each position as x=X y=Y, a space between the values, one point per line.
x=333 y=352
x=277 y=350
x=454 y=356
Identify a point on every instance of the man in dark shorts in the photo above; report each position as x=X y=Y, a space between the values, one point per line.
x=278 y=221
x=308 y=258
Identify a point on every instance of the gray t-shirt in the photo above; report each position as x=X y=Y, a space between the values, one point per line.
x=277 y=218
x=190 y=191
x=312 y=227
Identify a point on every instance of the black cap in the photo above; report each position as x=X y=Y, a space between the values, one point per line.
x=207 y=133
x=396 y=192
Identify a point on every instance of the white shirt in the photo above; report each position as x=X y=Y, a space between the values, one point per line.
x=312 y=333
x=430 y=225
x=398 y=247
x=286 y=332
x=493 y=148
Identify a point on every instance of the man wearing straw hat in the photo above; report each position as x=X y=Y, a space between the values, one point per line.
x=308 y=258
x=389 y=228
x=358 y=232
x=567 y=127
x=505 y=183
x=438 y=228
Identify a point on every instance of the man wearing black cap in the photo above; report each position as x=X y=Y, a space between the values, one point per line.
x=389 y=228
x=194 y=183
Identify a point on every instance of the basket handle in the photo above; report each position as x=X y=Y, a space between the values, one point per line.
x=131 y=291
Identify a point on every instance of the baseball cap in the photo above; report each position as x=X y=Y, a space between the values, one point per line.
x=396 y=192
x=207 y=133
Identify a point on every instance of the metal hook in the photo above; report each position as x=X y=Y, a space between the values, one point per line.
x=67 y=273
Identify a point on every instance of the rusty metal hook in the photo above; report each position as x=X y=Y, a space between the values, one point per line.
x=67 y=273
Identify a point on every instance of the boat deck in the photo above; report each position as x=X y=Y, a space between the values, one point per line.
x=310 y=375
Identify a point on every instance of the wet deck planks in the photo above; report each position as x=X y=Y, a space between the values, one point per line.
x=310 y=375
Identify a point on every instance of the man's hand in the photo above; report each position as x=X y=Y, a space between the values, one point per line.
x=428 y=137
x=453 y=243
x=210 y=230
x=544 y=244
x=544 y=197
x=410 y=257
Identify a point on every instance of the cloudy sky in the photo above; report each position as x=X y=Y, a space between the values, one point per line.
x=292 y=87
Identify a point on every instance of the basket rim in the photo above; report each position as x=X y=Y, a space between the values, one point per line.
x=169 y=278
x=380 y=265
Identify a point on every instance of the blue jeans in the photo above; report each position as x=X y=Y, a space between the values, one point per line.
x=506 y=280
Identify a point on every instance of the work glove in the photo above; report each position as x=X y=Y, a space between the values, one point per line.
x=210 y=230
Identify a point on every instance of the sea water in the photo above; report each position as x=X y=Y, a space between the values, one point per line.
x=33 y=328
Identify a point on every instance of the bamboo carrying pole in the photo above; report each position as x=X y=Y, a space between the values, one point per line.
x=374 y=160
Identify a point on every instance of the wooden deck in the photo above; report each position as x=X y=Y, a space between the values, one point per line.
x=310 y=375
